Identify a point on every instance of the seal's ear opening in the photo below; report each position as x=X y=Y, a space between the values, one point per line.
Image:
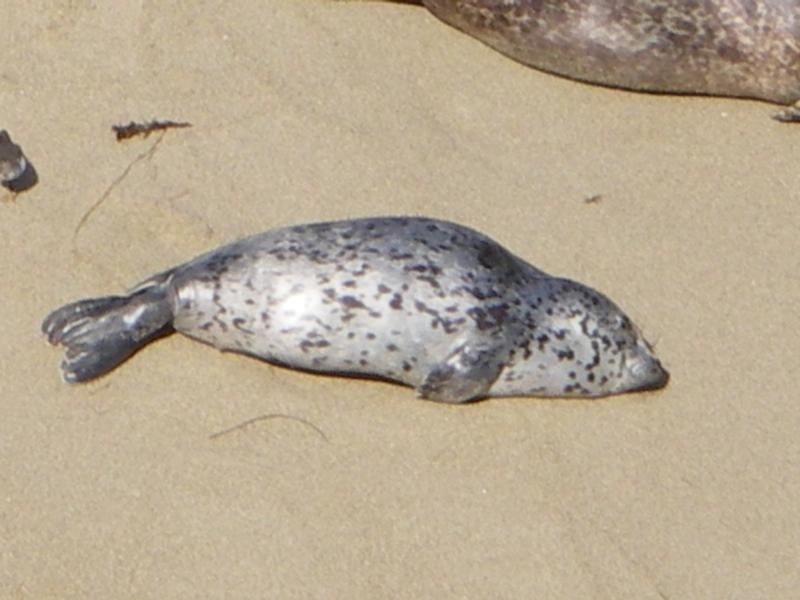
x=25 y=181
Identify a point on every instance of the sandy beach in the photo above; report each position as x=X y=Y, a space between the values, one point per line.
x=141 y=485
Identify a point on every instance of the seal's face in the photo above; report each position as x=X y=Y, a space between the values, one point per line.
x=639 y=369
x=642 y=370
x=589 y=347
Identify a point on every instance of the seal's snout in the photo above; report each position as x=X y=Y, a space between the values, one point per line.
x=655 y=377
x=647 y=373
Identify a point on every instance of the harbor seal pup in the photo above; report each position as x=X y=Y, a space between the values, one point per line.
x=712 y=47
x=423 y=302
x=12 y=160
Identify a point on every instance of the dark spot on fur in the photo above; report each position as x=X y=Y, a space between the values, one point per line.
x=498 y=312
x=430 y=280
x=351 y=302
x=239 y=323
x=565 y=355
x=596 y=358
x=395 y=254
x=306 y=344
x=488 y=254
x=492 y=317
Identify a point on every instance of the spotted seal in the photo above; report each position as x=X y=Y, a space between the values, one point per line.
x=12 y=160
x=423 y=302
x=713 y=47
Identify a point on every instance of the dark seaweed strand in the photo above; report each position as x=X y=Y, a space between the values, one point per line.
x=133 y=129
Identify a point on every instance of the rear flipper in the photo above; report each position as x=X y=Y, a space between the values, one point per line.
x=100 y=333
x=467 y=374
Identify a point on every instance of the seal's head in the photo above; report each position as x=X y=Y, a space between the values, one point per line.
x=642 y=370
x=12 y=161
x=602 y=351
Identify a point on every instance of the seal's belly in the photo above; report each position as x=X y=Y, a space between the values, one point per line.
x=323 y=318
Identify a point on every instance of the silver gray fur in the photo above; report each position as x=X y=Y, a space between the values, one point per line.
x=427 y=303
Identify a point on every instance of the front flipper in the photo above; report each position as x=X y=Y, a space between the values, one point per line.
x=467 y=374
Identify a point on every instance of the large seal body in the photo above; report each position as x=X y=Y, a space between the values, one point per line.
x=716 y=47
x=423 y=302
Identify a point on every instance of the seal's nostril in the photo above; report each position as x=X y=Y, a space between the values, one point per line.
x=658 y=377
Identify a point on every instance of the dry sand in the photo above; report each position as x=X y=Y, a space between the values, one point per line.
x=310 y=110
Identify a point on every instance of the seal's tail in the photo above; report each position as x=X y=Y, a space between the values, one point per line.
x=100 y=333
